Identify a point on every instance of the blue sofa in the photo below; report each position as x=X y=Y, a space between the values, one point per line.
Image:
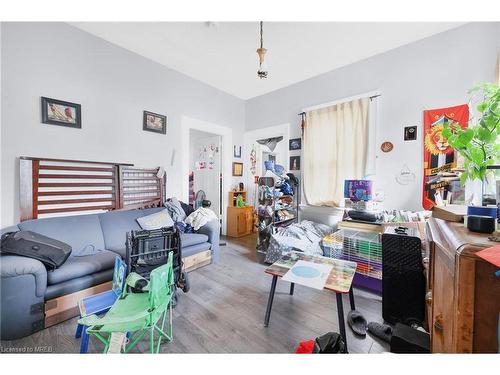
x=26 y=284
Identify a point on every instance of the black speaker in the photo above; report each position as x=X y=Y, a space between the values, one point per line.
x=481 y=224
x=405 y=339
x=403 y=281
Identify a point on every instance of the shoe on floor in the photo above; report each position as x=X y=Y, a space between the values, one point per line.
x=357 y=322
x=381 y=331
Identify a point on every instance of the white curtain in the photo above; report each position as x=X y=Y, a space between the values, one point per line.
x=335 y=149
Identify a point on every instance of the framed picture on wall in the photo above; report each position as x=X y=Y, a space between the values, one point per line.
x=295 y=144
x=237 y=151
x=237 y=169
x=154 y=122
x=58 y=112
x=295 y=163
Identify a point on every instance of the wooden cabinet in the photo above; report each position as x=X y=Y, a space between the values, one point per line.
x=239 y=221
x=463 y=293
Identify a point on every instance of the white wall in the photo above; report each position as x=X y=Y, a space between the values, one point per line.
x=431 y=73
x=113 y=86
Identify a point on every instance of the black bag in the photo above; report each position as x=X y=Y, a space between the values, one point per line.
x=52 y=253
x=330 y=343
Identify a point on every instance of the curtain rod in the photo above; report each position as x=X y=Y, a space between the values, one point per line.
x=371 y=97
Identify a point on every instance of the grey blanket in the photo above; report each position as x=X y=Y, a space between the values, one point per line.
x=305 y=236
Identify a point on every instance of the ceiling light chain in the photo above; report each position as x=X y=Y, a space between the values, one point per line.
x=262 y=72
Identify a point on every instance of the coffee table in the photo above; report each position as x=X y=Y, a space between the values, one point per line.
x=339 y=281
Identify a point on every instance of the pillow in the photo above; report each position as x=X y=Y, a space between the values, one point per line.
x=156 y=221
x=175 y=209
x=188 y=209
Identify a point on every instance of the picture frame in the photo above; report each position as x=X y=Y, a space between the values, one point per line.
x=410 y=133
x=295 y=163
x=154 y=122
x=237 y=169
x=61 y=113
x=294 y=144
x=237 y=151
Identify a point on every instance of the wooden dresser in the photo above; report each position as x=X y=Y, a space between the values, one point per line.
x=463 y=299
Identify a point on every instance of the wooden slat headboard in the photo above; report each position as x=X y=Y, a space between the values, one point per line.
x=140 y=188
x=59 y=187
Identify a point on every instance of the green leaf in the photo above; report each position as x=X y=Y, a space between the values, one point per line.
x=477 y=155
x=482 y=106
x=447 y=133
x=463 y=178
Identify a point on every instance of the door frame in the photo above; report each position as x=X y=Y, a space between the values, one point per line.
x=188 y=123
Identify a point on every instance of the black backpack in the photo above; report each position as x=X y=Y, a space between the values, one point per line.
x=330 y=343
x=52 y=253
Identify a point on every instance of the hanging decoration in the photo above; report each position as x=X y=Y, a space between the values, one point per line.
x=405 y=176
x=386 y=146
x=262 y=72
x=253 y=160
x=302 y=122
x=270 y=142
x=208 y=151
x=439 y=157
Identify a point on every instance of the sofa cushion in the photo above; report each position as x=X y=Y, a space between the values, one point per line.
x=82 y=232
x=76 y=267
x=75 y=285
x=156 y=220
x=190 y=239
x=115 y=225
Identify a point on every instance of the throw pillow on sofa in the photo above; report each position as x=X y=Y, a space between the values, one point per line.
x=188 y=209
x=156 y=221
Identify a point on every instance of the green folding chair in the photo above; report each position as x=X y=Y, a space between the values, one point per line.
x=137 y=314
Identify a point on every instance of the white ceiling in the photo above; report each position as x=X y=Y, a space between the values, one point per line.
x=223 y=54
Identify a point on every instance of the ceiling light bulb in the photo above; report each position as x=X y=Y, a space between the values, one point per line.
x=262 y=72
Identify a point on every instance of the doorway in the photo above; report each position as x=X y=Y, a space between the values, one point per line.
x=205 y=169
x=226 y=134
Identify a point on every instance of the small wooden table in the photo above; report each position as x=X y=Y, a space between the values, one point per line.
x=339 y=281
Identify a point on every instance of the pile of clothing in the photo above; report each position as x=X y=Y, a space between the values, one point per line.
x=305 y=236
x=185 y=218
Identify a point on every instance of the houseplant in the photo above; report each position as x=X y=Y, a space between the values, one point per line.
x=479 y=144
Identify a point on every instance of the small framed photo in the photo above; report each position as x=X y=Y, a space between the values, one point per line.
x=237 y=151
x=237 y=169
x=58 y=112
x=295 y=144
x=295 y=163
x=410 y=133
x=154 y=122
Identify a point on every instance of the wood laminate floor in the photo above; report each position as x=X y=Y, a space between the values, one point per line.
x=224 y=313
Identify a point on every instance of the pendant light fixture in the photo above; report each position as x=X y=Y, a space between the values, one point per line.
x=262 y=72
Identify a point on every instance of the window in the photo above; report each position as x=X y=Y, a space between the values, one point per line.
x=338 y=145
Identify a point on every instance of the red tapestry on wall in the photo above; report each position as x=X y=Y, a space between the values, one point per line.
x=439 y=157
